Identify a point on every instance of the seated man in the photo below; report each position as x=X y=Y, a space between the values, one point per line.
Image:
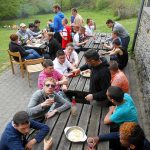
x=40 y=105
x=23 y=35
x=100 y=75
x=14 y=46
x=130 y=136
x=71 y=55
x=36 y=26
x=118 y=78
x=14 y=135
x=49 y=71
x=30 y=30
x=61 y=64
x=124 y=109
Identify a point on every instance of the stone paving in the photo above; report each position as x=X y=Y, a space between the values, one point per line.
x=14 y=94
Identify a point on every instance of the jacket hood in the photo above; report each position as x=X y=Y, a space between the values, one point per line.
x=60 y=14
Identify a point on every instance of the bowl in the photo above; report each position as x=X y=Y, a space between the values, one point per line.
x=75 y=134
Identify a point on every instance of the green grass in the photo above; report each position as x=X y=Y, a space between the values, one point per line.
x=99 y=16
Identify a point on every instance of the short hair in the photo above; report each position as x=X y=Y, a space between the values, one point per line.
x=116 y=93
x=60 y=53
x=70 y=44
x=92 y=54
x=82 y=28
x=47 y=63
x=117 y=42
x=13 y=37
x=50 y=79
x=21 y=118
x=88 y=20
x=37 y=21
x=113 y=65
x=57 y=6
x=74 y=10
x=66 y=20
x=50 y=34
x=133 y=134
x=116 y=32
x=109 y=21
x=31 y=25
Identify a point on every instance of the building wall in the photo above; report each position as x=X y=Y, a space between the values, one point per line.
x=142 y=55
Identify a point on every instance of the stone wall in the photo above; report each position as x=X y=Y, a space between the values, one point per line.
x=142 y=56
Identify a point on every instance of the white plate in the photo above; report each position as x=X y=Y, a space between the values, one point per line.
x=86 y=73
x=75 y=134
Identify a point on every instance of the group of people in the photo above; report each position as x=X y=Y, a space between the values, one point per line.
x=107 y=83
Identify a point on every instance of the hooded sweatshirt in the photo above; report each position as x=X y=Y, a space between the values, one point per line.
x=58 y=22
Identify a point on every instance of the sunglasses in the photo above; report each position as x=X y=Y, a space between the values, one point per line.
x=50 y=85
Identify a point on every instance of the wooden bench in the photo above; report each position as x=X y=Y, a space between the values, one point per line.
x=90 y=118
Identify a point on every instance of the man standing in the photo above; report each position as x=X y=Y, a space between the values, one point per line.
x=14 y=135
x=123 y=33
x=100 y=75
x=58 y=22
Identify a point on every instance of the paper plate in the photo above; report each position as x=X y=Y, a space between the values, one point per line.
x=86 y=73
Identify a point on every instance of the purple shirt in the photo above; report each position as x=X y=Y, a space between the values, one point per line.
x=54 y=74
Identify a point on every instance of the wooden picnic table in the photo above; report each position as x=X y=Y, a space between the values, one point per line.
x=97 y=41
x=89 y=117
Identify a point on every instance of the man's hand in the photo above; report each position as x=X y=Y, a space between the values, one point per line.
x=89 y=97
x=48 y=143
x=50 y=114
x=92 y=142
x=64 y=88
x=30 y=144
x=48 y=102
x=76 y=71
x=112 y=108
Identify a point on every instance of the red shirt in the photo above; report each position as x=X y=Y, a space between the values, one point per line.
x=66 y=34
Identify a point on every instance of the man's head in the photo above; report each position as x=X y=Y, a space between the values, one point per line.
x=60 y=56
x=64 y=21
x=56 y=8
x=21 y=122
x=31 y=26
x=49 y=85
x=48 y=66
x=131 y=135
x=37 y=23
x=23 y=27
x=92 y=57
x=116 y=43
x=50 y=35
x=89 y=22
x=14 y=37
x=74 y=11
x=113 y=66
x=69 y=48
x=82 y=30
x=115 y=95
x=110 y=23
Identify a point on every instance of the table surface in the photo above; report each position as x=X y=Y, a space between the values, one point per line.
x=97 y=42
x=89 y=117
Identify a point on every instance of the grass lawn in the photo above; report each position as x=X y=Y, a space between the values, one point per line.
x=99 y=17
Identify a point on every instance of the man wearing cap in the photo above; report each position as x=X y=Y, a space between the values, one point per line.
x=30 y=30
x=23 y=35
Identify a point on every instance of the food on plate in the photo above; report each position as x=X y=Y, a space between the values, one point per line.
x=86 y=73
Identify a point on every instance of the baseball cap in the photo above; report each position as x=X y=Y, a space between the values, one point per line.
x=22 y=25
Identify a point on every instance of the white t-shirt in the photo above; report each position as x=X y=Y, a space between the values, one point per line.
x=62 y=68
x=89 y=30
x=73 y=58
x=76 y=40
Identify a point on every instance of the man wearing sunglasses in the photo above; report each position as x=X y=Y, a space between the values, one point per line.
x=42 y=105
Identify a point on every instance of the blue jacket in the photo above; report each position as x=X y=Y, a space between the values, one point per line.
x=12 y=139
x=58 y=21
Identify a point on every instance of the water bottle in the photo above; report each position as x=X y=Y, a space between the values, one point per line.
x=74 y=107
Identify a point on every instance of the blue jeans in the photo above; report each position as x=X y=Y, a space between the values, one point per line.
x=33 y=54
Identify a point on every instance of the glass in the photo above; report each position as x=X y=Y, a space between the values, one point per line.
x=52 y=97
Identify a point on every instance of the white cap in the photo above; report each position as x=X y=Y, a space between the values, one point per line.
x=22 y=25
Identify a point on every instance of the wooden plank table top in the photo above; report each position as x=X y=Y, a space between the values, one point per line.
x=89 y=117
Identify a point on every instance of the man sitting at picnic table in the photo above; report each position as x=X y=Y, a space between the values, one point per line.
x=71 y=55
x=124 y=109
x=15 y=134
x=123 y=33
x=61 y=64
x=118 y=78
x=42 y=106
x=23 y=36
x=130 y=137
x=49 y=71
x=100 y=75
x=37 y=26
x=14 y=46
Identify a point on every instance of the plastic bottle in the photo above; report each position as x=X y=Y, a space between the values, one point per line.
x=74 y=107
